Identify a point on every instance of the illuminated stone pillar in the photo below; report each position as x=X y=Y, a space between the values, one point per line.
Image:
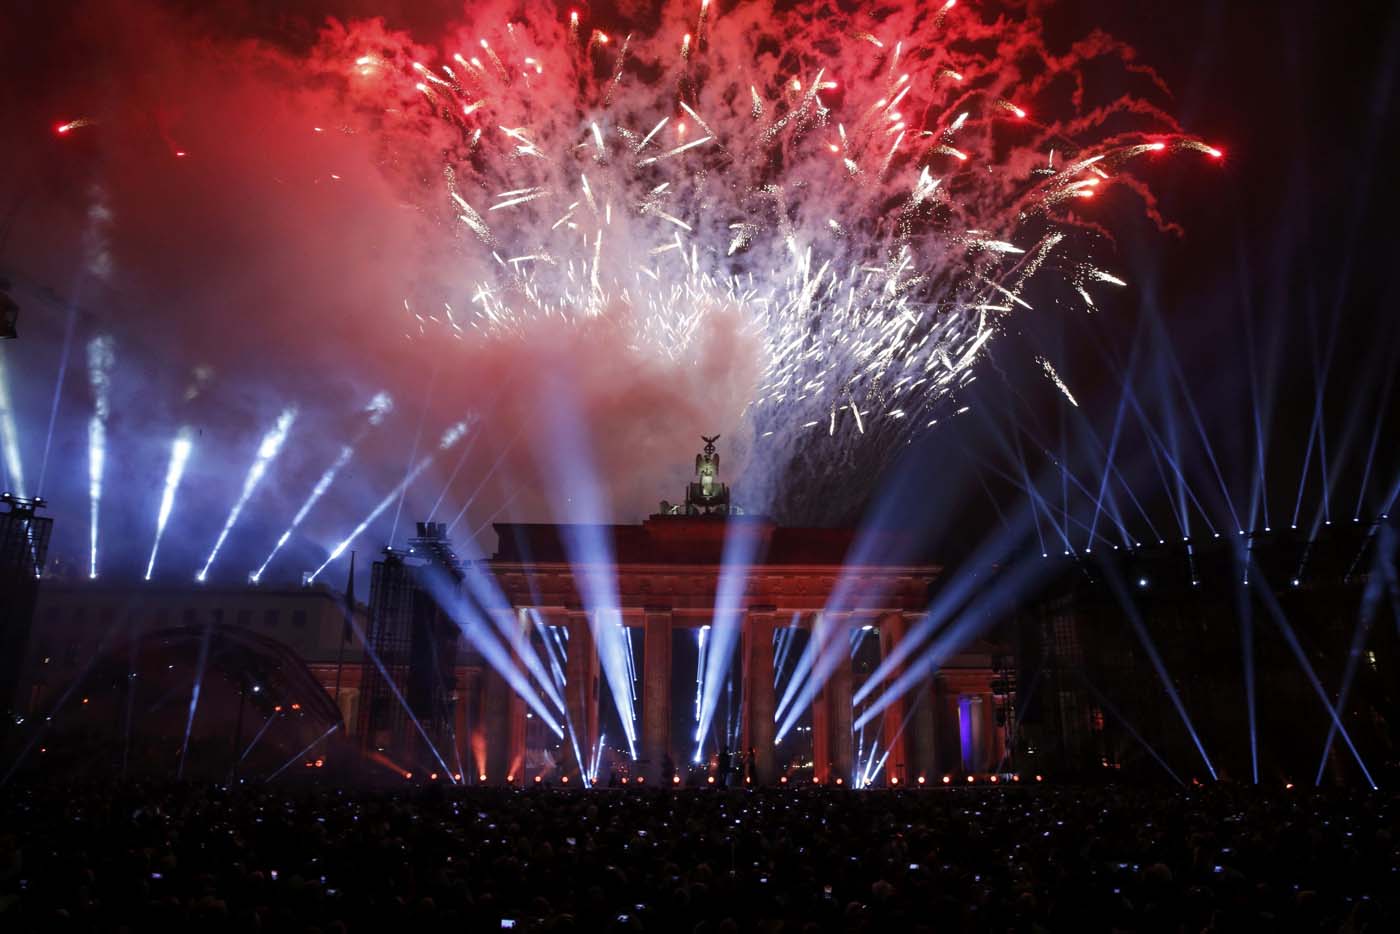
x=821 y=738
x=656 y=692
x=581 y=674
x=493 y=757
x=893 y=726
x=759 y=696
x=945 y=715
x=514 y=764
x=991 y=736
x=839 y=690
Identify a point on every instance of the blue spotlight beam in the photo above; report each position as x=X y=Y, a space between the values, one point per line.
x=481 y=484
x=259 y=735
x=741 y=543
x=951 y=596
x=417 y=438
x=194 y=694
x=268 y=449
x=449 y=439
x=100 y=358
x=59 y=704
x=309 y=746
x=373 y=656
x=1127 y=725
x=480 y=635
x=1276 y=612
x=180 y=450
x=57 y=397
x=1370 y=603
x=1245 y=611
x=995 y=600
x=1375 y=440
x=492 y=605
x=1185 y=388
x=566 y=457
x=1140 y=628
x=379 y=407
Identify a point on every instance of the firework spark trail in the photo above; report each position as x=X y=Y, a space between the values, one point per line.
x=379 y=407
x=268 y=449
x=449 y=440
x=100 y=358
x=610 y=179
x=180 y=450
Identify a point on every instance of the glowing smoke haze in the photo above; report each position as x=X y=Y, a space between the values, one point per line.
x=100 y=358
x=800 y=231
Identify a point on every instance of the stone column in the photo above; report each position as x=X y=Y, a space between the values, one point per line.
x=838 y=690
x=821 y=709
x=893 y=726
x=759 y=697
x=991 y=735
x=656 y=692
x=581 y=674
x=977 y=762
x=945 y=716
x=821 y=737
x=515 y=745
x=493 y=756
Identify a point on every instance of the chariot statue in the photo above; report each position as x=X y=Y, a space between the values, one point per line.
x=704 y=496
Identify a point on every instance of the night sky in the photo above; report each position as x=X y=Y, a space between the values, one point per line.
x=1274 y=270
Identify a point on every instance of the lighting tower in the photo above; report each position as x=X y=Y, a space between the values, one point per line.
x=24 y=546
x=416 y=641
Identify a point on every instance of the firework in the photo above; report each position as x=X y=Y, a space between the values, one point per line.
x=870 y=203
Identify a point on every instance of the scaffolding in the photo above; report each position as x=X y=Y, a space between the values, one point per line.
x=406 y=713
x=24 y=546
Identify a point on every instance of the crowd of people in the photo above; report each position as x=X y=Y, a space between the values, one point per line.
x=321 y=859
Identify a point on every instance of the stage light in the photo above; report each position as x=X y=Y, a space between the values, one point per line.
x=320 y=763
x=268 y=449
x=748 y=780
x=1015 y=776
x=1296 y=582
x=456 y=776
x=894 y=780
x=711 y=779
x=510 y=779
x=783 y=780
x=840 y=780
x=1288 y=786
x=641 y=779
x=407 y=775
x=947 y=779
x=538 y=779
x=816 y=781
x=432 y=776
x=993 y=779
x=624 y=779
x=564 y=779
x=922 y=779
x=257 y=689
x=971 y=779
x=676 y=779
x=482 y=777
x=1142 y=583
x=1040 y=778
